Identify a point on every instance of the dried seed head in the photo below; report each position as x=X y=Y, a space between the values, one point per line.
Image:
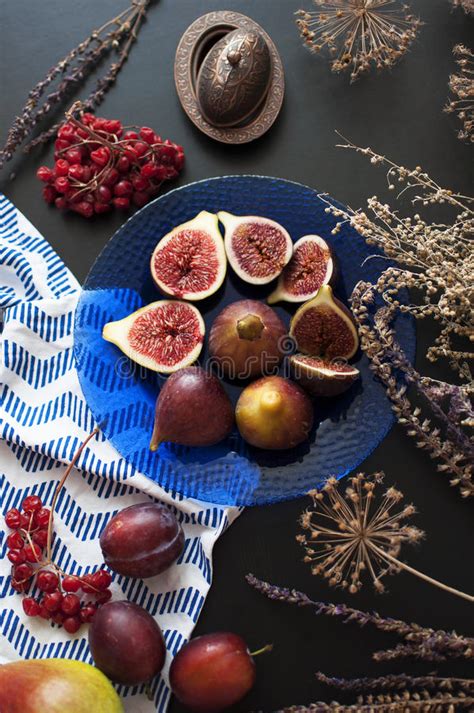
x=359 y=34
x=351 y=533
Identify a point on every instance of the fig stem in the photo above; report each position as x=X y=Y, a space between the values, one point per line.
x=271 y=401
x=250 y=327
x=263 y=650
x=155 y=438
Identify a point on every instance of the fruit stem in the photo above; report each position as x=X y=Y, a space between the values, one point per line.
x=155 y=438
x=60 y=485
x=250 y=327
x=263 y=650
x=271 y=401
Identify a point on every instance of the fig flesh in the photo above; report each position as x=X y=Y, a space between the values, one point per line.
x=163 y=336
x=320 y=377
x=310 y=267
x=245 y=339
x=324 y=327
x=189 y=262
x=257 y=248
x=274 y=413
x=192 y=409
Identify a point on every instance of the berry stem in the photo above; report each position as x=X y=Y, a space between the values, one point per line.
x=60 y=485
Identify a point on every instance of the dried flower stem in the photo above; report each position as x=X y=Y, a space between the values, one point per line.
x=419 y=641
x=437 y=260
x=394 y=681
x=461 y=86
x=86 y=57
x=421 y=575
x=103 y=85
x=403 y=702
x=467 y=5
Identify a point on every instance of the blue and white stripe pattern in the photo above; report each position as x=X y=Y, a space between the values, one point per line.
x=43 y=420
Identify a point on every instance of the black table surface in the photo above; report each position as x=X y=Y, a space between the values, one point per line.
x=399 y=113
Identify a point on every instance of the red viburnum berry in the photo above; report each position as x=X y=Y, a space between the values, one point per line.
x=30 y=606
x=41 y=517
x=47 y=581
x=15 y=541
x=72 y=624
x=40 y=537
x=71 y=584
x=45 y=174
x=87 y=613
x=13 y=519
x=70 y=604
x=52 y=601
x=32 y=553
x=17 y=556
x=103 y=596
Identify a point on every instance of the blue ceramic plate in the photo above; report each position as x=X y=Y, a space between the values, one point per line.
x=122 y=396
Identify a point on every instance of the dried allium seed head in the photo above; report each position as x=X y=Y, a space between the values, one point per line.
x=359 y=34
x=352 y=534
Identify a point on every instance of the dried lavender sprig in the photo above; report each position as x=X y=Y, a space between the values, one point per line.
x=103 y=84
x=32 y=112
x=396 y=681
x=416 y=651
x=426 y=640
x=403 y=702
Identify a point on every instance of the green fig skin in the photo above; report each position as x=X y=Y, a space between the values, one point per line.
x=56 y=686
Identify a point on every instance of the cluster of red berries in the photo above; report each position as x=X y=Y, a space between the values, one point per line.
x=59 y=601
x=99 y=166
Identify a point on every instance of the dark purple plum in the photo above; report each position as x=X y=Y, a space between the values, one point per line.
x=142 y=540
x=212 y=672
x=126 y=643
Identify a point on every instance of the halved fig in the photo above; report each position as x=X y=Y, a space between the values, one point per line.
x=310 y=267
x=324 y=327
x=257 y=248
x=322 y=377
x=163 y=336
x=190 y=262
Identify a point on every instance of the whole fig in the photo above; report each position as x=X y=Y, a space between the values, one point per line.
x=246 y=339
x=192 y=409
x=274 y=413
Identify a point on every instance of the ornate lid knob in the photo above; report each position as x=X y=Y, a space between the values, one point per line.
x=234 y=78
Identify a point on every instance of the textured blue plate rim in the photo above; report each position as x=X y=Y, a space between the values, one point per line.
x=390 y=419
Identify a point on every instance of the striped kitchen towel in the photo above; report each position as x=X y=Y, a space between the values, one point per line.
x=43 y=420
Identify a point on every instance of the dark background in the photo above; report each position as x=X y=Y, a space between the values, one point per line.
x=399 y=113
